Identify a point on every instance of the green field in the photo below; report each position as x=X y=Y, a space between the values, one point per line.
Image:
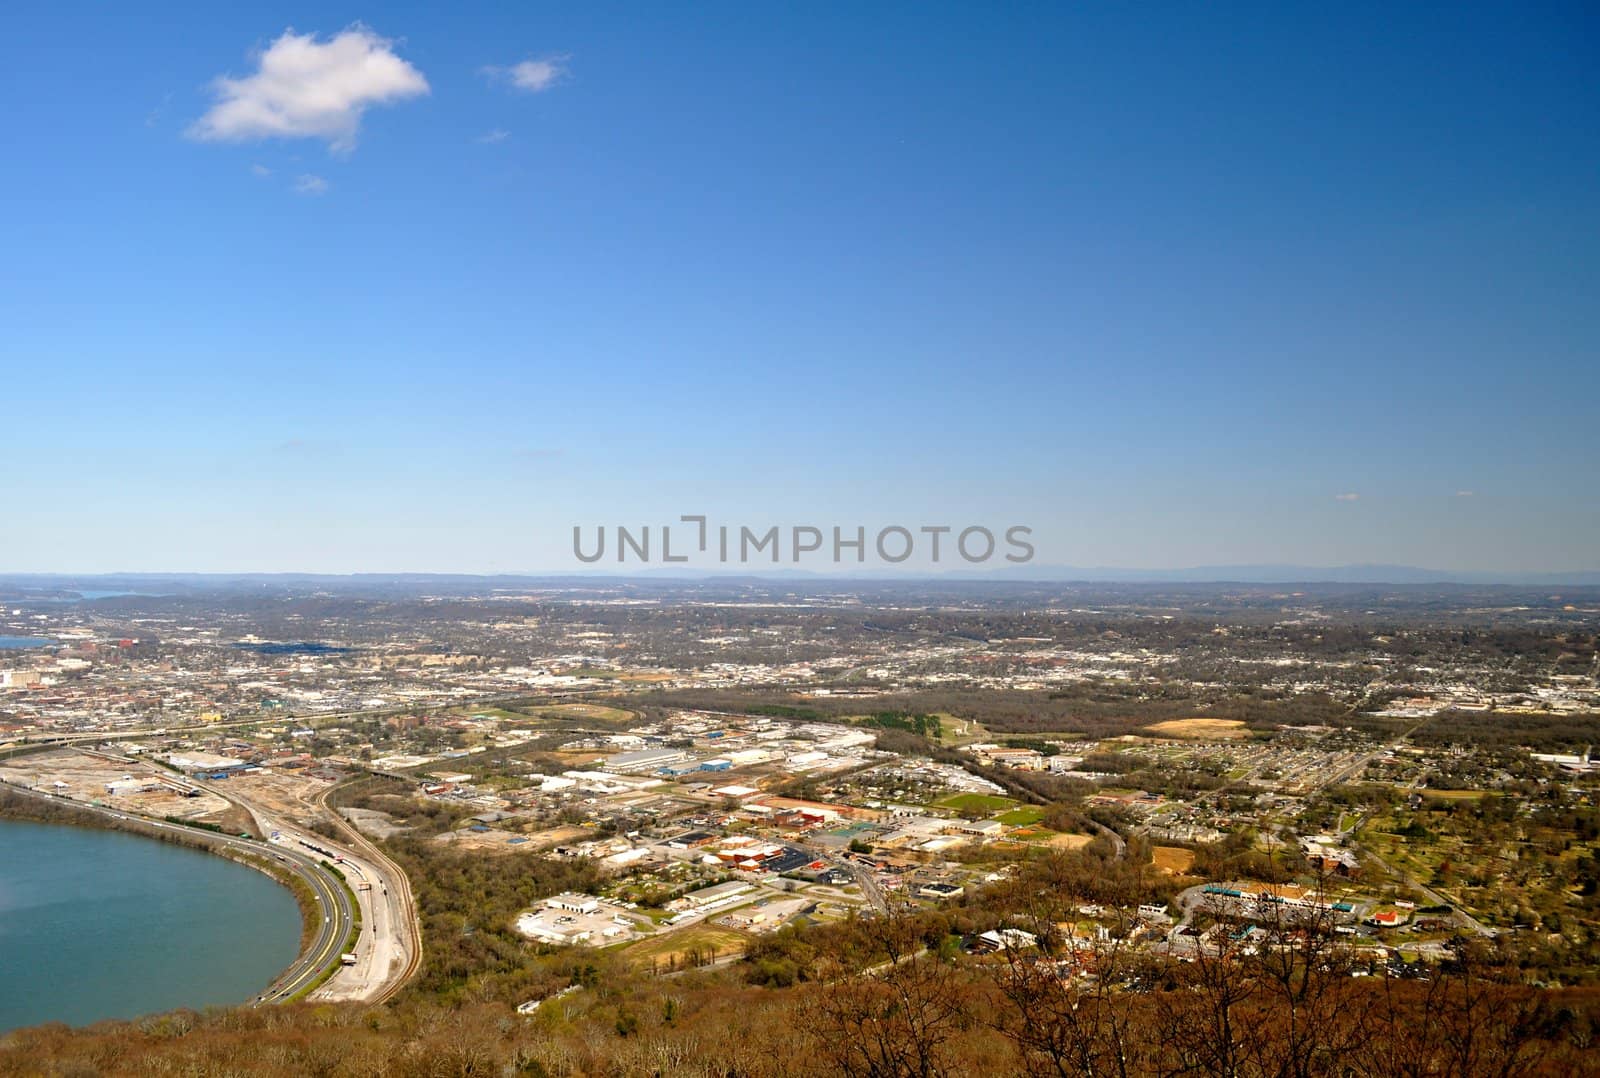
x=596 y=712
x=956 y=731
x=976 y=803
x=492 y=713
x=1022 y=816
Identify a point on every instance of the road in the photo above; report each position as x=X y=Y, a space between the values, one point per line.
x=1432 y=896
x=328 y=894
x=396 y=925
x=388 y=949
x=860 y=873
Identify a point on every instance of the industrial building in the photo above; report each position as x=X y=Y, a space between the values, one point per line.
x=570 y=918
x=645 y=760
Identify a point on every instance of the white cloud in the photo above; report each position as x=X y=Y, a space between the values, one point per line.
x=1348 y=497
x=497 y=135
x=1465 y=493
x=310 y=185
x=260 y=170
x=305 y=88
x=532 y=75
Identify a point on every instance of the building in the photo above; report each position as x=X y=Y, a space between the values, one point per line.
x=1329 y=858
x=645 y=760
x=1022 y=759
x=708 y=897
x=573 y=918
x=127 y=784
x=1005 y=939
x=573 y=903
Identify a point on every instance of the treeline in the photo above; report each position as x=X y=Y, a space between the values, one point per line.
x=873 y=996
x=1104 y=710
x=1507 y=730
x=1090 y=710
x=921 y=725
x=900 y=997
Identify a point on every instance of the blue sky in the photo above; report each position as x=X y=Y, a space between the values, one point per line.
x=1167 y=284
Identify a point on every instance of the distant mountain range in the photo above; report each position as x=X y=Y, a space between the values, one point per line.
x=1292 y=574
x=1203 y=574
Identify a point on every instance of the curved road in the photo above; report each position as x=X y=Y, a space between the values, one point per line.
x=329 y=894
x=399 y=907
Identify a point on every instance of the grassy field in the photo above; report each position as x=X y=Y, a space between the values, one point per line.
x=1462 y=867
x=1174 y=860
x=597 y=712
x=706 y=939
x=1022 y=816
x=956 y=731
x=491 y=713
x=976 y=803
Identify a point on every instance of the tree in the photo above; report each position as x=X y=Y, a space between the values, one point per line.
x=898 y=1019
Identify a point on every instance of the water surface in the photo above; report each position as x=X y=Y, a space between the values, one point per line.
x=96 y=924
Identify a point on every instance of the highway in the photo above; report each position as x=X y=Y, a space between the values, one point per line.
x=329 y=896
x=388 y=949
x=397 y=929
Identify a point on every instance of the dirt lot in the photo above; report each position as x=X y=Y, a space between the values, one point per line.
x=577 y=759
x=1200 y=729
x=558 y=836
x=85 y=777
x=285 y=792
x=374 y=823
x=1173 y=860
x=494 y=840
x=1069 y=842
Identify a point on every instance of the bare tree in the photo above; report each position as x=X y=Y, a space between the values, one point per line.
x=896 y=1019
x=1068 y=1013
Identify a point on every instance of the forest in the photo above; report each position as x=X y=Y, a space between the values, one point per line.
x=902 y=995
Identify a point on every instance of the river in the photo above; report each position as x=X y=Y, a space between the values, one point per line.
x=96 y=924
